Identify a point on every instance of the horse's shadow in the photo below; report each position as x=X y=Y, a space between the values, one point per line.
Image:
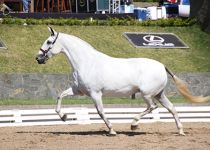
x=105 y=133
x=86 y=133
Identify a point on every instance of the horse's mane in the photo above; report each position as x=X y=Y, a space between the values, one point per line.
x=79 y=39
x=91 y=48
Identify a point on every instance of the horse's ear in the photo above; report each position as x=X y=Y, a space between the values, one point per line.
x=51 y=30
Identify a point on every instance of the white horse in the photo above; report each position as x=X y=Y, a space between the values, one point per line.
x=96 y=74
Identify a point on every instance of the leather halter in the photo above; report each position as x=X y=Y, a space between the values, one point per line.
x=46 y=51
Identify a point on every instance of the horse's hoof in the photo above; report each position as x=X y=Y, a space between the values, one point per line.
x=112 y=133
x=134 y=127
x=181 y=133
x=64 y=118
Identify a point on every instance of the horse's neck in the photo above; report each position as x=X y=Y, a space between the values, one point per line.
x=79 y=52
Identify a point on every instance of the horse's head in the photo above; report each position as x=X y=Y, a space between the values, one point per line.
x=49 y=48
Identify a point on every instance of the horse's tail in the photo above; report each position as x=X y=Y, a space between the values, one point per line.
x=182 y=88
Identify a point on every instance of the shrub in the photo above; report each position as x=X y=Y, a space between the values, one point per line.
x=108 y=22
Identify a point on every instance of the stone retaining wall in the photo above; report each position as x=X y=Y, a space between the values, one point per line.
x=40 y=86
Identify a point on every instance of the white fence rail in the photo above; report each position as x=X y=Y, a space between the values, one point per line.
x=89 y=115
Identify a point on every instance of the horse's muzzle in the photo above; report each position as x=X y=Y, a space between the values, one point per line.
x=41 y=59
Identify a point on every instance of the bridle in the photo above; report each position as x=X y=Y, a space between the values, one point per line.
x=47 y=50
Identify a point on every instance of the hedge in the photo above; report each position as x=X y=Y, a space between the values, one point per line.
x=108 y=22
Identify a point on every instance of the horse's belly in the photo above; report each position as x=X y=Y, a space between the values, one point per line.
x=127 y=91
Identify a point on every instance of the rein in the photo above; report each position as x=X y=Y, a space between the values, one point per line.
x=46 y=51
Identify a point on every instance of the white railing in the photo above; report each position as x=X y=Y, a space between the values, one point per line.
x=89 y=115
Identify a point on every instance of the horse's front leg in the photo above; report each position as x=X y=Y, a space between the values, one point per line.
x=97 y=99
x=67 y=92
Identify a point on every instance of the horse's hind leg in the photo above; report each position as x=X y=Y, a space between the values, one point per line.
x=150 y=106
x=164 y=101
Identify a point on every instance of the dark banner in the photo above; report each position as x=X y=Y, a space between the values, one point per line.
x=155 y=40
x=2 y=45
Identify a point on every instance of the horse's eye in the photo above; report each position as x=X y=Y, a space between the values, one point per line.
x=49 y=42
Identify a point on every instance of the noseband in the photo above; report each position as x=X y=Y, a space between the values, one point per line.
x=46 y=51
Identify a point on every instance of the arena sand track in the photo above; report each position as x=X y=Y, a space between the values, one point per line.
x=155 y=136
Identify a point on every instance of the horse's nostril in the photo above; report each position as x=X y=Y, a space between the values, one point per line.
x=37 y=58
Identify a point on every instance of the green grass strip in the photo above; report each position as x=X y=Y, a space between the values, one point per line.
x=80 y=101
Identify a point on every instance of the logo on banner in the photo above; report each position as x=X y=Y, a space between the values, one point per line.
x=153 y=40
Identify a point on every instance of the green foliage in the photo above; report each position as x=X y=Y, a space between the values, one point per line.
x=24 y=42
x=108 y=22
